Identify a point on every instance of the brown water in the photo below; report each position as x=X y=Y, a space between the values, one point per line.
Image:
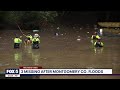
x=59 y=52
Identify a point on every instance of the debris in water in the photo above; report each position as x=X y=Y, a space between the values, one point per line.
x=80 y=28
x=78 y=39
x=56 y=34
x=58 y=28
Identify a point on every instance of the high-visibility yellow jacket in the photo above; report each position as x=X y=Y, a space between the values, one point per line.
x=35 y=40
x=17 y=40
x=29 y=36
x=95 y=37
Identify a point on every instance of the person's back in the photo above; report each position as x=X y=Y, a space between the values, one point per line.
x=98 y=43
x=17 y=42
x=95 y=36
x=35 y=42
x=98 y=37
x=29 y=37
x=38 y=40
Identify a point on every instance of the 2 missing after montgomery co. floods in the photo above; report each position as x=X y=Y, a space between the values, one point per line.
x=79 y=71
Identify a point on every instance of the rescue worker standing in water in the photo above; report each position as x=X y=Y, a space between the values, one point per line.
x=17 y=42
x=28 y=39
x=95 y=36
x=35 y=42
x=98 y=43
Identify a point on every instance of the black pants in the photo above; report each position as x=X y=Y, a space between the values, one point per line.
x=16 y=45
x=35 y=45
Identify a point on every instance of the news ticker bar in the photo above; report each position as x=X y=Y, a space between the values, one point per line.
x=58 y=71
x=38 y=70
x=65 y=71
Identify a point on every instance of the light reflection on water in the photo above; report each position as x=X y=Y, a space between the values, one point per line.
x=18 y=57
x=36 y=58
x=98 y=50
x=33 y=54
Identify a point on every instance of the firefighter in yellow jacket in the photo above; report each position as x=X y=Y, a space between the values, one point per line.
x=35 y=42
x=95 y=36
x=98 y=43
x=17 y=42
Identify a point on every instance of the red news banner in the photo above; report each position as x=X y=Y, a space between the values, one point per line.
x=30 y=67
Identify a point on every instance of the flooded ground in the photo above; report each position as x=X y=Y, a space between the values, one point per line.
x=62 y=52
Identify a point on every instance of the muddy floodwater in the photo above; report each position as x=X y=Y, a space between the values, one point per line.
x=68 y=50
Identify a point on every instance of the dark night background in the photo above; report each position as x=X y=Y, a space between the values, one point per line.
x=85 y=17
x=76 y=12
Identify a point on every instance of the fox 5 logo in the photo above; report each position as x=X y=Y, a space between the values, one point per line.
x=12 y=71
